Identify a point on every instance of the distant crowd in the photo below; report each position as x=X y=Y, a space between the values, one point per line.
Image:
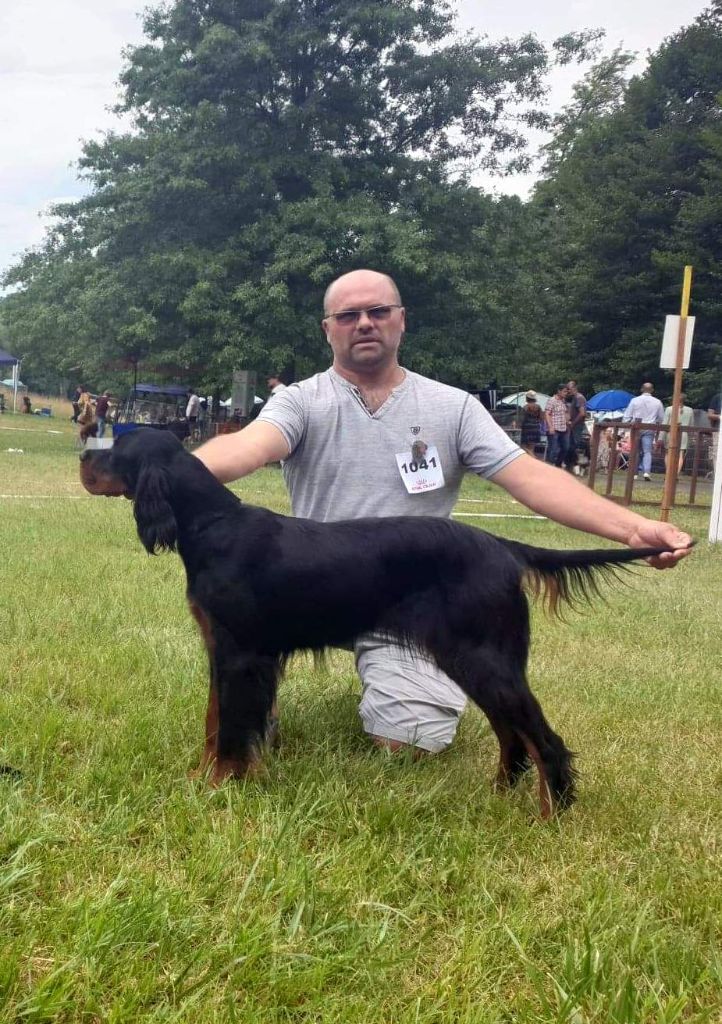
x=558 y=433
x=560 y=427
x=93 y=413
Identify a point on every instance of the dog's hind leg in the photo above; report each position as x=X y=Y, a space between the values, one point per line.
x=513 y=756
x=524 y=734
x=546 y=749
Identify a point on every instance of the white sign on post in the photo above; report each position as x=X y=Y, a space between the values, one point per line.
x=668 y=359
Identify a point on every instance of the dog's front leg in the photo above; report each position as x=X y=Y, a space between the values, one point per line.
x=246 y=688
x=210 y=744
x=211 y=730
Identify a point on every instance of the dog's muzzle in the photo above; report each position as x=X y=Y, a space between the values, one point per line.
x=96 y=478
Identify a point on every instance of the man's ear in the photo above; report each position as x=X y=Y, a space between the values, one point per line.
x=154 y=516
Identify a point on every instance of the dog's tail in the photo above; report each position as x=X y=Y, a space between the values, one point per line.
x=572 y=577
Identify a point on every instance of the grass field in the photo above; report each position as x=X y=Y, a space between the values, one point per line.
x=343 y=885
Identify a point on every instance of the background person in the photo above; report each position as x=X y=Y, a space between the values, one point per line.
x=713 y=414
x=531 y=417
x=576 y=414
x=686 y=418
x=557 y=423
x=75 y=402
x=275 y=384
x=346 y=437
x=625 y=448
x=203 y=416
x=607 y=449
x=101 y=412
x=645 y=408
x=192 y=412
x=85 y=408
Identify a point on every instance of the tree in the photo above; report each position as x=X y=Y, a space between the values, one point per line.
x=277 y=143
x=630 y=183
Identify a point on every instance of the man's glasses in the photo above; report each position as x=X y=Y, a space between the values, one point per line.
x=352 y=316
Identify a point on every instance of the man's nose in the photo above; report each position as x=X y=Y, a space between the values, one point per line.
x=364 y=321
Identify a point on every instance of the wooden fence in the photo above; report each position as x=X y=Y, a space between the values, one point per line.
x=697 y=461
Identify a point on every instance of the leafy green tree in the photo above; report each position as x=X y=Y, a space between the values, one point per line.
x=631 y=177
x=277 y=143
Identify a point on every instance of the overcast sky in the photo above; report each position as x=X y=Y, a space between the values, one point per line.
x=60 y=59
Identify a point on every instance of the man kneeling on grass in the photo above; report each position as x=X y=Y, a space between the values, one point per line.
x=369 y=438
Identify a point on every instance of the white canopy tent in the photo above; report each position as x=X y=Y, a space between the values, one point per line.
x=520 y=399
x=6 y=359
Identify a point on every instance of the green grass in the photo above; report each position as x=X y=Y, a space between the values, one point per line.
x=342 y=885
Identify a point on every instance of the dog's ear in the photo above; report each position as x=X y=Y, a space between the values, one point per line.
x=157 y=527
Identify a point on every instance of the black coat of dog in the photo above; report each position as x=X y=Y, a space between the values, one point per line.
x=262 y=585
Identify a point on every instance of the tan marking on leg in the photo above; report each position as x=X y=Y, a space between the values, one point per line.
x=234 y=768
x=546 y=800
x=211 y=728
x=503 y=773
x=273 y=738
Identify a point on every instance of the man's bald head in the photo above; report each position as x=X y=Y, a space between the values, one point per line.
x=361 y=279
x=647 y=388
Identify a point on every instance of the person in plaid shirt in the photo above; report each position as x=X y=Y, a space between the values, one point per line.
x=557 y=423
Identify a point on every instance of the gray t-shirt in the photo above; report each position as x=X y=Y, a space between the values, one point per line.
x=342 y=463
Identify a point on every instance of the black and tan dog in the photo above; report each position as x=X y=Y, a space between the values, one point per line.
x=262 y=585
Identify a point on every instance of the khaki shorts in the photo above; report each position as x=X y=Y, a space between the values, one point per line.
x=405 y=696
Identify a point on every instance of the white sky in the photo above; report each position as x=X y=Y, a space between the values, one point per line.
x=60 y=60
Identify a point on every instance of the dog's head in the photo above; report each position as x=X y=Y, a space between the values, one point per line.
x=137 y=467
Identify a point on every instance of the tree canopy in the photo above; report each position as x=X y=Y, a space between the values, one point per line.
x=631 y=195
x=277 y=143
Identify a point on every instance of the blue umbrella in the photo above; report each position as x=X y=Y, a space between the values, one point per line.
x=609 y=401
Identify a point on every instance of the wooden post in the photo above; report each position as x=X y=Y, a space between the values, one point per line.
x=594 y=454
x=633 y=464
x=670 y=476
x=698 y=439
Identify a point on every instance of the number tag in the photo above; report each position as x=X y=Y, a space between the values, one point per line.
x=423 y=474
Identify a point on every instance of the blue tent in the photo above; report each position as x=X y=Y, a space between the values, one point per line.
x=609 y=401
x=7 y=359
x=175 y=390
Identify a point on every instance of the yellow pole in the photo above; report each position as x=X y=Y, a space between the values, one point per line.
x=670 y=476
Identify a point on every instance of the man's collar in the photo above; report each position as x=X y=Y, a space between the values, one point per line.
x=335 y=375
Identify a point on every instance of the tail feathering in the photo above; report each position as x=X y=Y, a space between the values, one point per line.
x=573 y=577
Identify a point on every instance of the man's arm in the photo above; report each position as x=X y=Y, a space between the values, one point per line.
x=714 y=417
x=581 y=412
x=230 y=456
x=556 y=494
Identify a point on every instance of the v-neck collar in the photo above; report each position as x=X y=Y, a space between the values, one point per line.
x=356 y=393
